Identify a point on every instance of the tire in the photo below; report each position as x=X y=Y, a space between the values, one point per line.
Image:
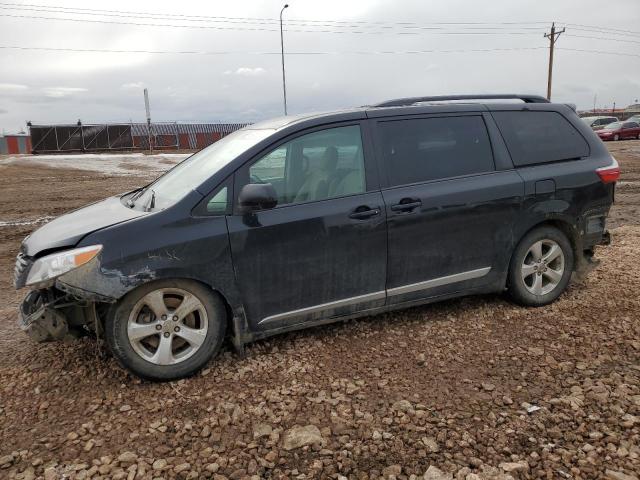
x=616 y=137
x=143 y=321
x=533 y=281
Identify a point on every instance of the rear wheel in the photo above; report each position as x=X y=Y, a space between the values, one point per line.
x=616 y=137
x=541 y=267
x=167 y=329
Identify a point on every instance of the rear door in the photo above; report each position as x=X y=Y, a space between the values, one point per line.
x=450 y=209
x=322 y=251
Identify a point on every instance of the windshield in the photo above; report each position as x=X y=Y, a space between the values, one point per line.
x=613 y=126
x=192 y=172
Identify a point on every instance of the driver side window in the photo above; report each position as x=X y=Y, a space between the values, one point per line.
x=316 y=166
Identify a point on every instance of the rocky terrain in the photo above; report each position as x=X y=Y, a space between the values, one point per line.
x=474 y=388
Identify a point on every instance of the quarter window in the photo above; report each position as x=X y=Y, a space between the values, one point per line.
x=540 y=137
x=419 y=150
x=217 y=205
x=316 y=166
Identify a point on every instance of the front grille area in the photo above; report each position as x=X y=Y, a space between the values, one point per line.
x=23 y=265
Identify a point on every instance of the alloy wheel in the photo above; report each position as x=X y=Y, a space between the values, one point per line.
x=543 y=267
x=167 y=326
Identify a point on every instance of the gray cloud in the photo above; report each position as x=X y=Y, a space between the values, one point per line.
x=98 y=87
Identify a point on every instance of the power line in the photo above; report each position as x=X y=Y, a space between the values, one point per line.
x=373 y=52
x=605 y=32
x=603 y=38
x=635 y=32
x=599 y=52
x=259 y=29
x=269 y=22
x=202 y=52
x=250 y=19
x=306 y=22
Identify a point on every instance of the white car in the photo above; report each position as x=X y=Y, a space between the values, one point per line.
x=599 y=122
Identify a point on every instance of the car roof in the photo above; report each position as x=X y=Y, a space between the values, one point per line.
x=410 y=106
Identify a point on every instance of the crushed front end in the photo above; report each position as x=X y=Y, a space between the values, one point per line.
x=49 y=313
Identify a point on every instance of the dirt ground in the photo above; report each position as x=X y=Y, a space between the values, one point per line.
x=474 y=388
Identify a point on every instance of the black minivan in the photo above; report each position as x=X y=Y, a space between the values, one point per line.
x=309 y=219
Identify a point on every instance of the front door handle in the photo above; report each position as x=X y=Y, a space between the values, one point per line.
x=406 y=205
x=363 y=212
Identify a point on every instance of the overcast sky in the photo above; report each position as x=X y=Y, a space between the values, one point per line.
x=63 y=86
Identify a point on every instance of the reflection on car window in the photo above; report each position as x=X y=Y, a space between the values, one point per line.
x=312 y=167
x=423 y=149
x=540 y=137
x=184 y=177
x=218 y=203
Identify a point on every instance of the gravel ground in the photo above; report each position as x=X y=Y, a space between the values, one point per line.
x=473 y=388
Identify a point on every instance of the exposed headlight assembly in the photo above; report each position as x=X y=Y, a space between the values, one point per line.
x=52 y=266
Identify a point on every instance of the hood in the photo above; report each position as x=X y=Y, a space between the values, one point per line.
x=68 y=229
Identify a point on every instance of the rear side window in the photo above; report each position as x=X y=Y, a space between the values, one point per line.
x=540 y=137
x=418 y=150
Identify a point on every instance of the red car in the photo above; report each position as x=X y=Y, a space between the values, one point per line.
x=620 y=131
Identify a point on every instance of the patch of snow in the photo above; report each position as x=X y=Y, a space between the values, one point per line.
x=16 y=223
x=107 y=163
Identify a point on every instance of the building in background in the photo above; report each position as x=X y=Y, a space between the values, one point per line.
x=126 y=136
x=15 y=143
x=620 y=113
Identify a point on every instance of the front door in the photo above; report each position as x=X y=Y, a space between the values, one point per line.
x=450 y=212
x=321 y=252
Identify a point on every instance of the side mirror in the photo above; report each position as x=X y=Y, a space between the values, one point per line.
x=257 y=196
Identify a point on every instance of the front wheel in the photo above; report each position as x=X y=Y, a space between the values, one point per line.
x=167 y=329
x=616 y=137
x=541 y=267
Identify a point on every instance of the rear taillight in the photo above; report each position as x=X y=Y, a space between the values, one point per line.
x=609 y=174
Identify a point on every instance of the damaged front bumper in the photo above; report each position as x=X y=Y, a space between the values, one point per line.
x=54 y=310
x=48 y=315
x=39 y=320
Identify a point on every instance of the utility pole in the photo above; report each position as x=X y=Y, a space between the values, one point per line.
x=284 y=84
x=595 y=98
x=553 y=37
x=146 y=106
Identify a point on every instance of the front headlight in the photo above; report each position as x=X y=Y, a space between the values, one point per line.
x=54 y=265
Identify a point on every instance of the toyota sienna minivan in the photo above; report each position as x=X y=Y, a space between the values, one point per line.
x=310 y=219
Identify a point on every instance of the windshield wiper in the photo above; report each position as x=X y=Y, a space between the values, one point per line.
x=152 y=201
x=131 y=202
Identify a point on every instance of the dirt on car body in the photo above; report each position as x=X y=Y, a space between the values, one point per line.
x=469 y=386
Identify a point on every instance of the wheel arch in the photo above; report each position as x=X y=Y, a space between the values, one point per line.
x=561 y=224
x=234 y=317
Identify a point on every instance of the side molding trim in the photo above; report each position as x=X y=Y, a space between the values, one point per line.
x=369 y=297
x=438 y=282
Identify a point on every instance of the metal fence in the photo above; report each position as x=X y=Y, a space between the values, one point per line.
x=131 y=136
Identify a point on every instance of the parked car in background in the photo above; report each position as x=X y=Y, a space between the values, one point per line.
x=305 y=220
x=597 y=123
x=620 y=131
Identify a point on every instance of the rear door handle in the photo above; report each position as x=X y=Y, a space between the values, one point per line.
x=406 y=205
x=363 y=212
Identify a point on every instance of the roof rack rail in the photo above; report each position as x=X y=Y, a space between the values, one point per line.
x=403 y=102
